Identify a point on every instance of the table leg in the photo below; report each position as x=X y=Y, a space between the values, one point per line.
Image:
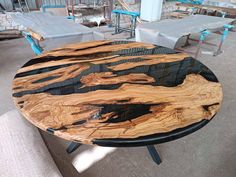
x=187 y=41
x=151 y=149
x=72 y=147
x=203 y=36
x=118 y=23
x=134 y=21
x=154 y=154
x=131 y=27
x=223 y=38
x=198 y=49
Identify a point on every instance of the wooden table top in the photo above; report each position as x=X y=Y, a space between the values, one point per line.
x=117 y=93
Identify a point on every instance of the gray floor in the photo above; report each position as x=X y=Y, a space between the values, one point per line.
x=210 y=152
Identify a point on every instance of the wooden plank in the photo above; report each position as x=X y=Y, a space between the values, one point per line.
x=35 y=35
x=178 y=15
x=10 y=31
x=231 y=11
x=8 y=37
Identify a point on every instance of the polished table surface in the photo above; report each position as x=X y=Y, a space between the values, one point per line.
x=117 y=93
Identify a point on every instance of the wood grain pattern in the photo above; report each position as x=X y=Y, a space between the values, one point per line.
x=115 y=90
x=35 y=35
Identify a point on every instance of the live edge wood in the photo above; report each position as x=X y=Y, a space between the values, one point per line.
x=35 y=35
x=106 y=90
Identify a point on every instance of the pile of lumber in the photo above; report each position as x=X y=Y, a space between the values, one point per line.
x=10 y=34
x=228 y=10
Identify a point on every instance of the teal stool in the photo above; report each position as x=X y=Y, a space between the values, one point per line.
x=118 y=28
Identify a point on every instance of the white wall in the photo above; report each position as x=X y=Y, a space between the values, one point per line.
x=151 y=10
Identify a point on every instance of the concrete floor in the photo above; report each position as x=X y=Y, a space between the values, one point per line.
x=209 y=152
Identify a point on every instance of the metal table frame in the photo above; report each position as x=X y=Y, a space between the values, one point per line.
x=151 y=149
x=150 y=141
x=119 y=29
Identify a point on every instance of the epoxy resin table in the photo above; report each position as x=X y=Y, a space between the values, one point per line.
x=117 y=93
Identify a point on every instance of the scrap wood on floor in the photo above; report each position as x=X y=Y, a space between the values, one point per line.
x=9 y=34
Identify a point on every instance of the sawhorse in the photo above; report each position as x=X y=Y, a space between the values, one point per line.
x=118 y=28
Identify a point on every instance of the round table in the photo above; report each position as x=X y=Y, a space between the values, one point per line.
x=117 y=93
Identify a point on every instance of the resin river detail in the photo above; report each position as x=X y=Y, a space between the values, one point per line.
x=105 y=91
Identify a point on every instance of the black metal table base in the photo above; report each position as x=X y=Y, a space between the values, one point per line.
x=72 y=147
x=151 y=149
x=154 y=154
x=119 y=29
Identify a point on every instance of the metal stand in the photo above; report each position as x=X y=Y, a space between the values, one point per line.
x=201 y=41
x=133 y=26
x=24 y=2
x=1 y=7
x=223 y=38
x=72 y=147
x=154 y=154
x=187 y=41
x=119 y=29
x=117 y=25
x=203 y=36
x=151 y=149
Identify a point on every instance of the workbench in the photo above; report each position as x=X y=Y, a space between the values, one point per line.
x=168 y=32
x=52 y=31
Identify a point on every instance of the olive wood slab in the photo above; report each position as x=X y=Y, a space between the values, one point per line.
x=116 y=93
